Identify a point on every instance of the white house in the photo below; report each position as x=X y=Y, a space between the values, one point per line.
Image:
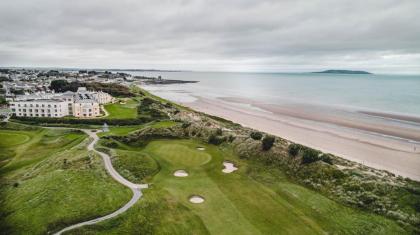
x=82 y=103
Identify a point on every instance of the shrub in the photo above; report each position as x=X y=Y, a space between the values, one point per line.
x=109 y=143
x=256 y=135
x=216 y=140
x=326 y=158
x=267 y=142
x=310 y=155
x=293 y=149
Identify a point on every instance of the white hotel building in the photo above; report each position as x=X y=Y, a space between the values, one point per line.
x=82 y=103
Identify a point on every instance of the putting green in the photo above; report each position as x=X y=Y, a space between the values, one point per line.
x=10 y=138
x=178 y=154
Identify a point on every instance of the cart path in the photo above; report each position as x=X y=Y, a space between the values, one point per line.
x=135 y=188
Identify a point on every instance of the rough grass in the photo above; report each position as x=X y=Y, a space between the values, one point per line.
x=252 y=200
x=50 y=181
x=122 y=111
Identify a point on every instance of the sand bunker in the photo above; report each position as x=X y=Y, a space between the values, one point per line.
x=180 y=173
x=196 y=199
x=201 y=148
x=229 y=167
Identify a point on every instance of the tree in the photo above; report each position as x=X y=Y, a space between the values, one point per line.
x=2 y=101
x=59 y=85
x=267 y=142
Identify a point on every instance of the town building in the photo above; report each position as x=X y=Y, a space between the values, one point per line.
x=83 y=103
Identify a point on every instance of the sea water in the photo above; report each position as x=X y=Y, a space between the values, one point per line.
x=385 y=93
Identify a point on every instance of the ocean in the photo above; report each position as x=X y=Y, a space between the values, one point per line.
x=398 y=94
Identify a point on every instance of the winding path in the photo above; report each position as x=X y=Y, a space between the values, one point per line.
x=136 y=188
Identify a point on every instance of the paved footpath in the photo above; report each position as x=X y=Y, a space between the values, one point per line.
x=136 y=188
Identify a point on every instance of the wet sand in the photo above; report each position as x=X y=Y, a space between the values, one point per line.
x=383 y=141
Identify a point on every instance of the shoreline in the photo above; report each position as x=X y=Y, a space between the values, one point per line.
x=379 y=142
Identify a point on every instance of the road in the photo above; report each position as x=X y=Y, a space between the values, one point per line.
x=135 y=188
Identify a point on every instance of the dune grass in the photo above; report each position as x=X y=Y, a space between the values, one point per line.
x=253 y=200
x=126 y=109
x=51 y=181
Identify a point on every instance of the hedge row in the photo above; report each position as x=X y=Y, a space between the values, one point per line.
x=97 y=121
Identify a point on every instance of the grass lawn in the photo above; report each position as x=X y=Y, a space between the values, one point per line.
x=49 y=181
x=253 y=200
x=12 y=138
x=125 y=110
x=120 y=130
x=125 y=130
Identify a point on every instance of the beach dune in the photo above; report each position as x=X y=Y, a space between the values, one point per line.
x=384 y=141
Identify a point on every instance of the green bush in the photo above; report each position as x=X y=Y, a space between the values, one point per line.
x=326 y=158
x=216 y=140
x=310 y=155
x=293 y=149
x=256 y=135
x=268 y=142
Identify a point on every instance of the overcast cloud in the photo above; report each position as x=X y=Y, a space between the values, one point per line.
x=238 y=35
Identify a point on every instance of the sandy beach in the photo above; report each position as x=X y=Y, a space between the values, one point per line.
x=383 y=141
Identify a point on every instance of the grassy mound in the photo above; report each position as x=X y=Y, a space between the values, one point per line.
x=50 y=181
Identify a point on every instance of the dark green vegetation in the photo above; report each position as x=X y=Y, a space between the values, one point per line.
x=256 y=135
x=256 y=199
x=113 y=89
x=337 y=71
x=48 y=180
x=267 y=142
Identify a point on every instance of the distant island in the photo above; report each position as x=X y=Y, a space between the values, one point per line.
x=343 y=72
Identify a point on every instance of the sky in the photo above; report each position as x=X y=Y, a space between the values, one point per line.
x=381 y=36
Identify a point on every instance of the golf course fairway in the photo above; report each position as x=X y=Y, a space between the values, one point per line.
x=255 y=199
